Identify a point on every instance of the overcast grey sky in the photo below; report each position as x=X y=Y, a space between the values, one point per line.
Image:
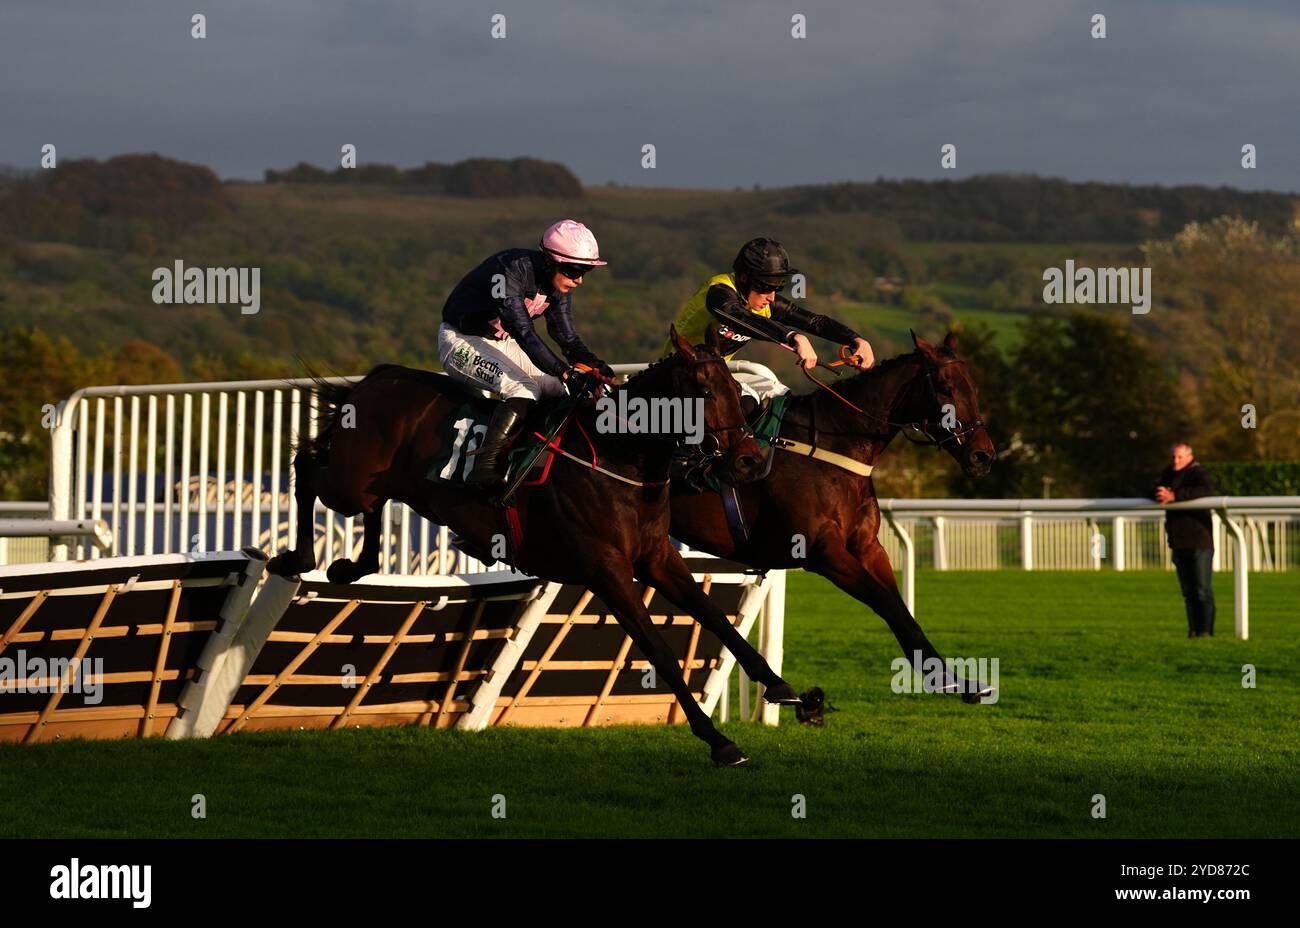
x=721 y=89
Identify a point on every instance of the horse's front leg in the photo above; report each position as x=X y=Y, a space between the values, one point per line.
x=870 y=580
x=611 y=580
x=668 y=573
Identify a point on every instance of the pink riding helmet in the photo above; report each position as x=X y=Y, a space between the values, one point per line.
x=571 y=241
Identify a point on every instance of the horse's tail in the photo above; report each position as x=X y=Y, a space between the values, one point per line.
x=330 y=397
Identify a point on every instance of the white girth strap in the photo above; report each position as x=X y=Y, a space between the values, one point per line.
x=821 y=454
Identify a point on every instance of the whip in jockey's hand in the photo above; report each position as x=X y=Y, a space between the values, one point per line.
x=804 y=349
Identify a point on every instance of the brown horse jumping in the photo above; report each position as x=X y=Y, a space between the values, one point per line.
x=823 y=517
x=598 y=530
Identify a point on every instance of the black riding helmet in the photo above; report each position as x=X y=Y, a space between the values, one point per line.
x=763 y=261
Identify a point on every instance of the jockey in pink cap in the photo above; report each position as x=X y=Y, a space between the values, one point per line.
x=487 y=339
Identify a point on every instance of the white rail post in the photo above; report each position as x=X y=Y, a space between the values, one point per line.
x=940 y=546
x=61 y=471
x=1027 y=541
x=771 y=640
x=1240 y=577
x=909 y=563
x=1117 y=546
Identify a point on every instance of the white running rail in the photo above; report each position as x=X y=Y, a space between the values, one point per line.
x=1033 y=514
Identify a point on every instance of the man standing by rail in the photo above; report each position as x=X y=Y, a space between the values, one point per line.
x=1191 y=537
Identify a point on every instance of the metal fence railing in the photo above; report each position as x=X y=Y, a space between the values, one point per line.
x=1061 y=541
x=1052 y=533
x=180 y=468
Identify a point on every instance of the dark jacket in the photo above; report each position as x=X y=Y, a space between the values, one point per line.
x=471 y=309
x=740 y=324
x=1187 y=529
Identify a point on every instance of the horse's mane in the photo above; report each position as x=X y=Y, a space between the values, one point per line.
x=703 y=350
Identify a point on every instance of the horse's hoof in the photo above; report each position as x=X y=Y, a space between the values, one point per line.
x=812 y=707
x=284 y=565
x=729 y=755
x=984 y=694
x=342 y=571
x=783 y=694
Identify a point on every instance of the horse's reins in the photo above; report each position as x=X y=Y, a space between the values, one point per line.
x=705 y=458
x=846 y=357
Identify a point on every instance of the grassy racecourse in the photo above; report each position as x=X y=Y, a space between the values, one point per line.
x=1101 y=692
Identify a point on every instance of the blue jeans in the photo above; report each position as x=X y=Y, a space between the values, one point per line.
x=1195 y=574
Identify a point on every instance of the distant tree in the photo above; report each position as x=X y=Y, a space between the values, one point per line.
x=473 y=177
x=140 y=361
x=1025 y=207
x=300 y=173
x=112 y=203
x=1091 y=404
x=40 y=372
x=1228 y=306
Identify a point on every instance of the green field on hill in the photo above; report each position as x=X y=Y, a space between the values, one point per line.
x=1100 y=693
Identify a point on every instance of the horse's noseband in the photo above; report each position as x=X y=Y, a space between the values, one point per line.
x=926 y=427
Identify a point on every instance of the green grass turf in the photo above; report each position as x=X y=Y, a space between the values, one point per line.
x=1101 y=692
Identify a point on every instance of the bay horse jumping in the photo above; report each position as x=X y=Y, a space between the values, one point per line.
x=600 y=529
x=828 y=513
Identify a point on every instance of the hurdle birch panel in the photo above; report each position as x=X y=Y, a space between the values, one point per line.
x=103 y=650
x=195 y=646
x=581 y=670
x=407 y=652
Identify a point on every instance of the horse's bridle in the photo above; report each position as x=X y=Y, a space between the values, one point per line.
x=924 y=426
x=697 y=460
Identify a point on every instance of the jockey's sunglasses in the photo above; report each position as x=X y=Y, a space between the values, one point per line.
x=760 y=287
x=573 y=271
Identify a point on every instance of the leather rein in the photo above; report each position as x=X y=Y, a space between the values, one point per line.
x=924 y=426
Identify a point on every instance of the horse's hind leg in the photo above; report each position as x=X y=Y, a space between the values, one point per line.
x=307 y=472
x=871 y=581
x=613 y=584
x=669 y=574
x=345 y=570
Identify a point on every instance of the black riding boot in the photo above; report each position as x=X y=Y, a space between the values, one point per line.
x=507 y=419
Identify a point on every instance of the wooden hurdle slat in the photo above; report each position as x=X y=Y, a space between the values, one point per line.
x=450 y=694
x=335 y=679
x=109 y=595
x=126 y=676
x=551 y=648
x=160 y=664
x=377 y=671
x=114 y=631
x=293 y=665
x=637 y=664
x=617 y=666
x=22 y=619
